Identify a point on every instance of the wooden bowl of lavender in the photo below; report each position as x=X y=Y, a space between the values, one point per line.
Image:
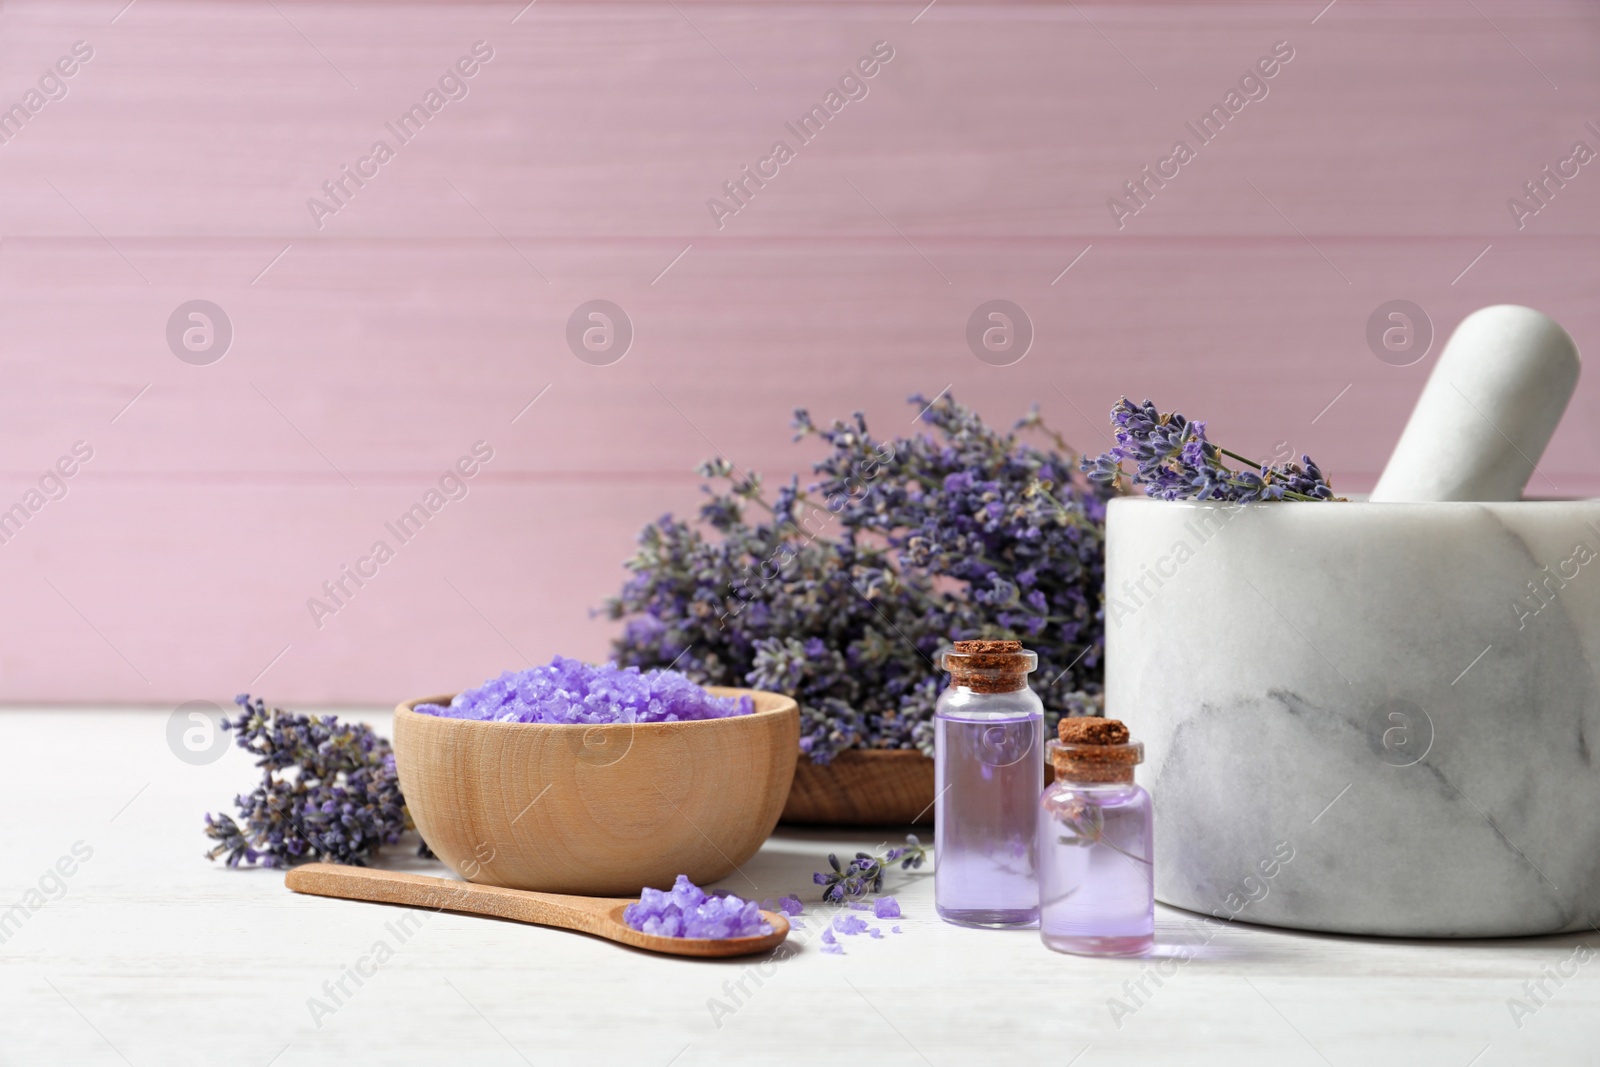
x=590 y=780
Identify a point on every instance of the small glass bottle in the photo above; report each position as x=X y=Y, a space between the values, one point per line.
x=1096 y=873
x=988 y=766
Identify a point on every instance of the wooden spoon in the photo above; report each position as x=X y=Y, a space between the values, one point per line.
x=600 y=916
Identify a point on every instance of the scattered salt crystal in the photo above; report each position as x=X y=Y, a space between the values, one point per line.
x=873 y=931
x=571 y=691
x=896 y=929
x=833 y=949
x=791 y=905
x=886 y=908
x=849 y=924
x=686 y=910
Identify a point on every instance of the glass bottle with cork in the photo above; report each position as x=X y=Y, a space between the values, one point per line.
x=1096 y=847
x=989 y=770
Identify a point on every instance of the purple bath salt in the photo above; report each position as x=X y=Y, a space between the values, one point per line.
x=686 y=910
x=849 y=924
x=873 y=931
x=886 y=908
x=570 y=691
x=791 y=905
x=894 y=929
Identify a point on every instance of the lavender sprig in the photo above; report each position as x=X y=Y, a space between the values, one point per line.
x=864 y=874
x=328 y=791
x=1173 y=461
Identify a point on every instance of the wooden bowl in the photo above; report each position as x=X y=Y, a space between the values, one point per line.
x=597 y=810
x=863 y=787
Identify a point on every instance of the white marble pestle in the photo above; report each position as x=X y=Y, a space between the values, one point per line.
x=1484 y=418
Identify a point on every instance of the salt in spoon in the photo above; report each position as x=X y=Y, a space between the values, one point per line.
x=600 y=916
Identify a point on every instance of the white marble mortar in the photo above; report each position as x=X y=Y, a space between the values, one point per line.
x=1403 y=696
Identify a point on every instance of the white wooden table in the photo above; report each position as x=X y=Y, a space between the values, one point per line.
x=150 y=955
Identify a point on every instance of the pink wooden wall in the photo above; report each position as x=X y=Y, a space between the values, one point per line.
x=372 y=352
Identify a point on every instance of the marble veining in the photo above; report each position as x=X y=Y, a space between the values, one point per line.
x=1401 y=694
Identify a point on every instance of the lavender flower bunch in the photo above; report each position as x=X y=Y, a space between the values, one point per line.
x=328 y=791
x=1173 y=461
x=841 y=594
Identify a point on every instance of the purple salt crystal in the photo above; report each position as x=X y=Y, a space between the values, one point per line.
x=886 y=908
x=833 y=949
x=828 y=938
x=571 y=691
x=873 y=931
x=849 y=924
x=791 y=905
x=895 y=929
x=798 y=924
x=686 y=911
x=686 y=895
x=859 y=905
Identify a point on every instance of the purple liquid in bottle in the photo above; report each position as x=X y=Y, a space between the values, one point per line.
x=1096 y=880
x=989 y=769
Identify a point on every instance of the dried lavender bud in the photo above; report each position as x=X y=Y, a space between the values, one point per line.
x=1173 y=461
x=572 y=691
x=864 y=874
x=686 y=910
x=328 y=791
x=842 y=595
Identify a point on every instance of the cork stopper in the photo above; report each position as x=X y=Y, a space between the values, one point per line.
x=1094 y=750
x=1092 y=731
x=989 y=666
